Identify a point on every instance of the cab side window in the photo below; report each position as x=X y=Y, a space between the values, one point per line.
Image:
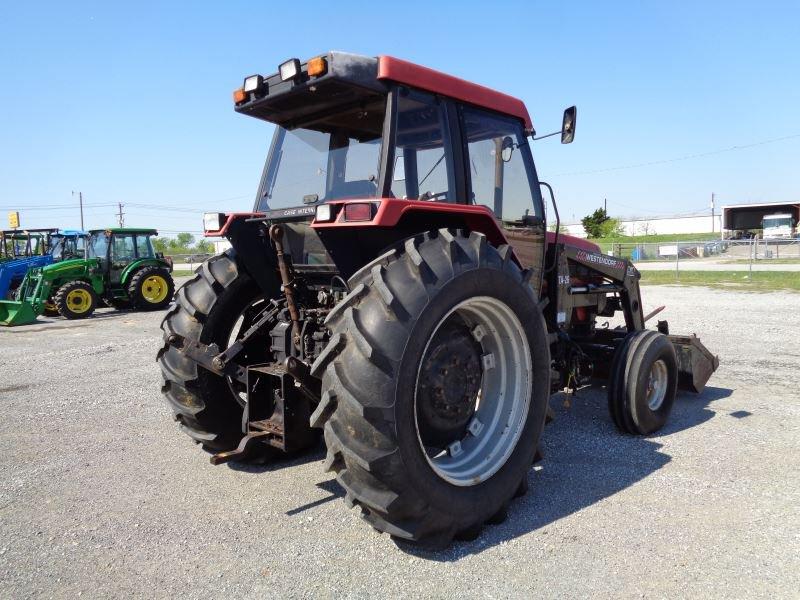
x=143 y=249
x=423 y=161
x=123 y=248
x=500 y=166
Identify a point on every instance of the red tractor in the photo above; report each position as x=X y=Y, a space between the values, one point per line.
x=396 y=287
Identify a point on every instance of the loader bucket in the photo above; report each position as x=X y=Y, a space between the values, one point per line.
x=695 y=363
x=16 y=313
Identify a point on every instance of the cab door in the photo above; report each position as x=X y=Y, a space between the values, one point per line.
x=123 y=253
x=500 y=174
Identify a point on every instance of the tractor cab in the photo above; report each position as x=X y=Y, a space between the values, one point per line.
x=116 y=249
x=378 y=130
x=19 y=243
x=68 y=244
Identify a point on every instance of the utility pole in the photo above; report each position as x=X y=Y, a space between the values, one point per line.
x=712 y=212
x=121 y=215
x=605 y=205
x=80 y=201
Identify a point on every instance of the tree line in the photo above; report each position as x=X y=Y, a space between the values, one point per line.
x=183 y=243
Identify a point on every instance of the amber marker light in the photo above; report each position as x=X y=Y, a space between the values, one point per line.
x=239 y=96
x=317 y=66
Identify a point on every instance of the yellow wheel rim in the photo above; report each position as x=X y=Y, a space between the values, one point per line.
x=50 y=306
x=155 y=289
x=79 y=301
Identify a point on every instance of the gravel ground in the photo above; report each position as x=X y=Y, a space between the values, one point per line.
x=101 y=495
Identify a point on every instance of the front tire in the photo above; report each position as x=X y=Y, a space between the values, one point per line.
x=435 y=317
x=151 y=288
x=75 y=300
x=643 y=382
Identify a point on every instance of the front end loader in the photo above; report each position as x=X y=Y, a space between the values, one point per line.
x=396 y=288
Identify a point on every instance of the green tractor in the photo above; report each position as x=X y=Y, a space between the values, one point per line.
x=119 y=267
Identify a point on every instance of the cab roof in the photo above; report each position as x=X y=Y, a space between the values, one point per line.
x=126 y=230
x=401 y=71
x=352 y=78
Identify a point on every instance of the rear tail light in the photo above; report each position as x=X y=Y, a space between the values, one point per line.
x=359 y=211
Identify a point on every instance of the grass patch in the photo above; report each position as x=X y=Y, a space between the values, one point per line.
x=182 y=273
x=763 y=261
x=761 y=280
x=659 y=238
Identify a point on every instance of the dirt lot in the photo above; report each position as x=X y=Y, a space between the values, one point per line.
x=102 y=495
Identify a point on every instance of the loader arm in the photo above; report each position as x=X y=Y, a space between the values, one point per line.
x=587 y=284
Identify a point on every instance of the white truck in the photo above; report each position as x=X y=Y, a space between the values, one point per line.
x=779 y=225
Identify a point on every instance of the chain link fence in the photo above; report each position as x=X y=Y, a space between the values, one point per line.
x=720 y=251
x=187 y=262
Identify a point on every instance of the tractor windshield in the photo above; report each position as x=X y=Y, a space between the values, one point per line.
x=98 y=245
x=330 y=158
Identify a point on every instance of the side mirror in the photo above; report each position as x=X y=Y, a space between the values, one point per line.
x=568 y=125
x=507 y=149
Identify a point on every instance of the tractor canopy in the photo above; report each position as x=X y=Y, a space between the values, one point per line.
x=353 y=127
x=19 y=243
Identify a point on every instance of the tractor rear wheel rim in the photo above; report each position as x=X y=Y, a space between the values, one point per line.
x=657 y=385
x=154 y=289
x=79 y=301
x=499 y=410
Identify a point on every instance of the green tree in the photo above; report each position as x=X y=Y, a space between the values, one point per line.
x=161 y=244
x=204 y=247
x=184 y=240
x=592 y=223
x=611 y=228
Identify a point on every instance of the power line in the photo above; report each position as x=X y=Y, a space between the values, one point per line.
x=680 y=158
x=54 y=207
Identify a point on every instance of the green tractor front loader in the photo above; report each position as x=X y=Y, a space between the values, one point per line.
x=119 y=267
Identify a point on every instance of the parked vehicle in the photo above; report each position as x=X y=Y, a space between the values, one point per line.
x=779 y=225
x=22 y=250
x=396 y=286
x=119 y=267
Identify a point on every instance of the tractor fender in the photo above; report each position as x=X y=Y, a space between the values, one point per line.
x=128 y=271
x=393 y=212
x=394 y=220
x=76 y=269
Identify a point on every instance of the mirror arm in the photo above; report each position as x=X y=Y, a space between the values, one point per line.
x=547 y=135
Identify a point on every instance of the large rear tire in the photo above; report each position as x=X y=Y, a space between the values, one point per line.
x=435 y=386
x=210 y=308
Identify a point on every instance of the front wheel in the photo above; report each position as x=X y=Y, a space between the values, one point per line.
x=151 y=288
x=435 y=386
x=644 y=379
x=75 y=300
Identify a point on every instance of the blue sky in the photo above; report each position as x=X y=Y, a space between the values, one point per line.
x=131 y=102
